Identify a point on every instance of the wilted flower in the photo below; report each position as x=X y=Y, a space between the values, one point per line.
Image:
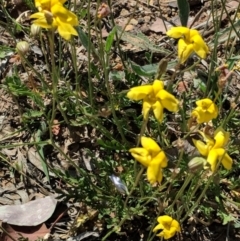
x=168 y=225
x=213 y=149
x=103 y=11
x=152 y=157
x=154 y=97
x=53 y=15
x=119 y=184
x=189 y=41
x=205 y=111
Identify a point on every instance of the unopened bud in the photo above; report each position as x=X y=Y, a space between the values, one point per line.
x=162 y=68
x=196 y=164
x=22 y=47
x=35 y=30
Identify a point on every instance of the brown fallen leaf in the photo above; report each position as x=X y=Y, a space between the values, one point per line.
x=32 y=233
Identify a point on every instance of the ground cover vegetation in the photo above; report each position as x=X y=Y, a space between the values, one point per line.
x=120 y=137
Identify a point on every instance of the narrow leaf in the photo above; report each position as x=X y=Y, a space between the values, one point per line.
x=110 y=40
x=183 y=7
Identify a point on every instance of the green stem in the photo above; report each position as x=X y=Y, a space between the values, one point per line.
x=182 y=189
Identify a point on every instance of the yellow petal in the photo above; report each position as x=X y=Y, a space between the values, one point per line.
x=157 y=86
x=160 y=159
x=168 y=225
x=150 y=145
x=208 y=105
x=212 y=159
x=168 y=101
x=158 y=111
x=159 y=226
x=184 y=50
x=202 y=115
x=41 y=22
x=221 y=138
x=201 y=146
x=178 y=32
x=224 y=158
x=66 y=30
x=200 y=46
x=64 y=15
x=146 y=108
x=154 y=173
x=193 y=32
x=141 y=155
x=139 y=92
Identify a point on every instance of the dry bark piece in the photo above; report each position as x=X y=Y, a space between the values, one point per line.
x=32 y=213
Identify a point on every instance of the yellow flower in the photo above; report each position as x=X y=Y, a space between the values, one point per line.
x=53 y=15
x=168 y=225
x=189 y=41
x=214 y=150
x=152 y=157
x=154 y=97
x=205 y=111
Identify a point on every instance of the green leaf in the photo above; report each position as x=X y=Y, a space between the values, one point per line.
x=31 y=114
x=83 y=38
x=41 y=154
x=5 y=51
x=17 y=88
x=146 y=70
x=116 y=75
x=110 y=40
x=183 y=6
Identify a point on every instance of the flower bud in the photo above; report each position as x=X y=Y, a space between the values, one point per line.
x=35 y=30
x=196 y=164
x=119 y=184
x=162 y=68
x=22 y=47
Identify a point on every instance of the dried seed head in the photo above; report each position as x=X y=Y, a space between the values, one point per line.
x=22 y=47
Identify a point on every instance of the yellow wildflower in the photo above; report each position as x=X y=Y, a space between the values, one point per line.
x=53 y=15
x=213 y=149
x=189 y=41
x=168 y=225
x=152 y=157
x=154 y=97
x=205 y=111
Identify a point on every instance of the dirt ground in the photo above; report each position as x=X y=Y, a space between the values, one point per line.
x=145 y=25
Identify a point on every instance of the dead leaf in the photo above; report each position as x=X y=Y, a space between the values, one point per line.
x=32 y=213
x=129 y=27
x=32 y=233
x=158 y=26
x=35 y=159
